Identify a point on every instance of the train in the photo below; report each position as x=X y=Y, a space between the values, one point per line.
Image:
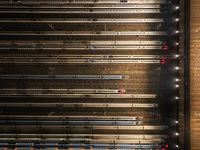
x=70 y=122
x=60 y=2
x=80 y=105
x=89 y=136
x=87 y=127
x=84 y=33
x=71 y=117
x=94 y=57
x=66 y=91
x=85 y=77
x=82 y=11
x=79 y=61
x=77 y=42
x=79 y=146
x=54 y=47
x=83 y=20
x=55 y=95
x=79 y=6
x=83 y=140
x=83 y=45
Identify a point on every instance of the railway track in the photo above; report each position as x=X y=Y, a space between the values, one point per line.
x=86 y=74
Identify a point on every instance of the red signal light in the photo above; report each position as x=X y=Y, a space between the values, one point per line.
x=163 y=61
x=165 y=47
x=121 y=91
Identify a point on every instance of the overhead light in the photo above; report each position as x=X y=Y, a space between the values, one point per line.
x=177 y=79
x=176 y=121
x=177 y=85
x=177 y=31
x=176 y=56
x=177 y=146
x=177 y=7
x=177 y=19
x=176 y=68
x=177 y=134
x=177 y=43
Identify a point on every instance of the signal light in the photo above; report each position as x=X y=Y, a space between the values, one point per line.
x=165 y=47
x=121 y=91
x=163 y=61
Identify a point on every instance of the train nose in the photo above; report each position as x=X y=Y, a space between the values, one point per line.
x=122 y=91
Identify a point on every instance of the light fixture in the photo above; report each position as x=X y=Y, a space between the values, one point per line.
x=177 y=31
x=176 y=56
x=177 y=19
x=177 y=43
x=176 y=121
x=177 y=7
x=177 y=134
x=177 y=79
x=177 y=85
x=177 y=146
x=176 y=68
x=176 y=97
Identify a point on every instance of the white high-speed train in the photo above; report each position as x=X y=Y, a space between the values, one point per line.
x=94 y=91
